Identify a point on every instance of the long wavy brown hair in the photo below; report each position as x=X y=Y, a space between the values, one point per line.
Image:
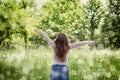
x=62 y=46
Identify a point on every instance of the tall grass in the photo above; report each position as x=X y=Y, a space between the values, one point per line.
x=84 y=64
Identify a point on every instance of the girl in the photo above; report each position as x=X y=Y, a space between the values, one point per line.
x=61 y=46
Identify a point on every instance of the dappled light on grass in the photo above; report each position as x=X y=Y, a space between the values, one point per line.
x=85 y=63
x=92 y=64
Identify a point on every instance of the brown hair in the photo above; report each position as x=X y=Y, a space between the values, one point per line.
x=62 y=46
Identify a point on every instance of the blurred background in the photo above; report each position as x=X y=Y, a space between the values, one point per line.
x=25 y=55
x=97 y=20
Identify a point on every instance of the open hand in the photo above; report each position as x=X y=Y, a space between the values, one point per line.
x=37 y=30
x=91 y=42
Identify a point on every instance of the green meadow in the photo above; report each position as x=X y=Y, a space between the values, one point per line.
x=85 y=63
x=24 y=54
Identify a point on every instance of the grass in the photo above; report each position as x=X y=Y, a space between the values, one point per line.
x=84 y=64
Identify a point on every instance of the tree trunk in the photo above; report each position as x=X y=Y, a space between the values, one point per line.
x=25 y=38
x=8 y=34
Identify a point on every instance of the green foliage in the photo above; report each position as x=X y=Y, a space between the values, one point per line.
x=9 y=72
x=24 y=66
x=84 y=64
x=111 y=27
x=94 y=13
x=19 y=18
x=16 y=21
x=63 y=16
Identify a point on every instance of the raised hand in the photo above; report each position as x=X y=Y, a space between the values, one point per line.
x=37 y=30
x=91 y=42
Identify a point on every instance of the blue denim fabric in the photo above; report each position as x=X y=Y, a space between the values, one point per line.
x=59 y=72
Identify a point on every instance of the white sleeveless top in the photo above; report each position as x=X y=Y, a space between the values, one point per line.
x=52 y=44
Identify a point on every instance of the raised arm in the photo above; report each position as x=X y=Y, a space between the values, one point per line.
x=50 y=41
x=74 y=45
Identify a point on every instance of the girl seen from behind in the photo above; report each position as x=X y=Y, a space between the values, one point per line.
x=61 y=47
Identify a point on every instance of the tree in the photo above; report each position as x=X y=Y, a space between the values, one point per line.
x=63 y=16
x=93 y=16
x=16 y=19
x=115 y=14
x=111 y=27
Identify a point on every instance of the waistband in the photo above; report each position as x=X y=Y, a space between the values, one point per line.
x=59 y=65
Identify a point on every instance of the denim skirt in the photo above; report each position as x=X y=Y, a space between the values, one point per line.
x=59 y=72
